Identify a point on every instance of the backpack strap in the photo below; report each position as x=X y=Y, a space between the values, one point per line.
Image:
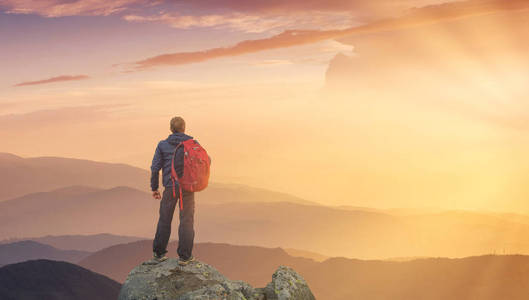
x=174 y=178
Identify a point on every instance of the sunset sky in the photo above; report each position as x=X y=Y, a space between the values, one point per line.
x=410 y=103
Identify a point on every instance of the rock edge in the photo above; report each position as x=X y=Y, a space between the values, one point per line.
x=200 y=281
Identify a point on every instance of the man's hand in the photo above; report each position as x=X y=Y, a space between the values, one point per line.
x=156 y=195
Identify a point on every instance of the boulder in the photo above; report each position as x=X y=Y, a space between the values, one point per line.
x=200 y=281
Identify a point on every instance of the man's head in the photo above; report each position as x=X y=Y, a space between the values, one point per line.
x=178 y=125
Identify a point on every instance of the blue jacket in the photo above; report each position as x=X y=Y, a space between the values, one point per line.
x=162 y=159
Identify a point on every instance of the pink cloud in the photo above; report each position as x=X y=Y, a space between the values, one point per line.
x=267 y=15
x=285 y=39
x=61 y=8
x=250 y=22
x=420 y=16
x=239 y=15
x=53 y=79
x=282 y=7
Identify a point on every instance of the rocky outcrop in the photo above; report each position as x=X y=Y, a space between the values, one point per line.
x=200 y=281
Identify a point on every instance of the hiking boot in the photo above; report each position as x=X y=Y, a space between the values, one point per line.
x=184 y=262
x=156 y=259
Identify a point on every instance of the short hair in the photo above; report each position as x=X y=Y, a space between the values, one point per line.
x=178 y=124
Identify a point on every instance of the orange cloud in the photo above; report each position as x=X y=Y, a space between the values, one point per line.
x=54 y=79
x=250 y=22
x=285 y=39
x=420 y=16
x=61 y=8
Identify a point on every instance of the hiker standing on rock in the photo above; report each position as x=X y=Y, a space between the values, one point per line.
x=185 y=170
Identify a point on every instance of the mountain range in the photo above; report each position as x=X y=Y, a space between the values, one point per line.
x=241 y=215
x=21 y=176
x=488 y=277
x=236 y=262
x=326 y=230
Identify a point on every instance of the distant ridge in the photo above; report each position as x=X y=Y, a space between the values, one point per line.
x=30 y=250
x=8 y=156
x=54 y=280
x=89 y=243
x=78 y=210
x=229 y=192
x=237 y=262
x=306 y=254
x=20 y=176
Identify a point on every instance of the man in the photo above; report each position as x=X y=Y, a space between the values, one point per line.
x=162 y=160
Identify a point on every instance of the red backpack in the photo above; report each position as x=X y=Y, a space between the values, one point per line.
x=196 y=169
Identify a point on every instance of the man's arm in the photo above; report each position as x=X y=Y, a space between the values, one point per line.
x=155 y=171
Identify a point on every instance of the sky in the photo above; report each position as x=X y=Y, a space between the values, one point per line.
x=415 y=104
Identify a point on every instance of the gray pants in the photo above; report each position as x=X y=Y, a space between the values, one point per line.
x=186 y=232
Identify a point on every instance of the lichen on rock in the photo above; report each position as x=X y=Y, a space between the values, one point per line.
x=200 y=281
